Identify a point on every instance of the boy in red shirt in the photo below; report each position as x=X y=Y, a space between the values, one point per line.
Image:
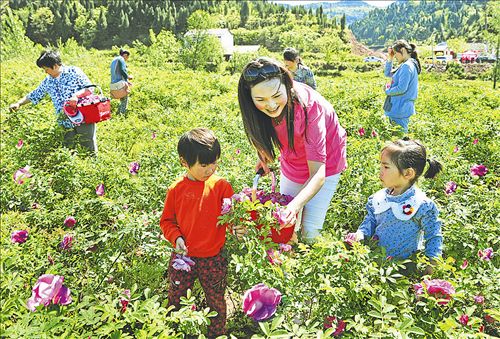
x=189 y=222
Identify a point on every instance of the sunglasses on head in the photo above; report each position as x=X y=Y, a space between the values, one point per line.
x=267 y=71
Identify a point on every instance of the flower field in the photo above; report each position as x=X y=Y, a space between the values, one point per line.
x=80 y=236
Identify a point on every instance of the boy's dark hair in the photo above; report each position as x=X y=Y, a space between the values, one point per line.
x=49 y=59
x=406 y=153
x=124 y=51
x=199 y=144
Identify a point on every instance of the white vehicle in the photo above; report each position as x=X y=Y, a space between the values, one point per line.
x=372 y=58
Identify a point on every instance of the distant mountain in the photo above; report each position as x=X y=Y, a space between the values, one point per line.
x=423 y=20
x=354 y=10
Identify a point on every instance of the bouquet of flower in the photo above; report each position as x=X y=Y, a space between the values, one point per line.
x=259 y=209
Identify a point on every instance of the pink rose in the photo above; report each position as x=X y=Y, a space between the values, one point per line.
x=361 y=132
x=99 y=190
x=48 y=289
x=440 y=289
x=339 y=324
x=67 y=242
x=260 y=302
x=485 y=254
x=464 y=319
x=479 y=299
x=20 y=144
x=478 y=170
x=70 y=221
x=22 y=174
x=450 y=187
x=285 y=248
x=133 y=168
x=419 y=289
x=124 y=303
x=227 y=204
x=19 y=237
x=464 y=264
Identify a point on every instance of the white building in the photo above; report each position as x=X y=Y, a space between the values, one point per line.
x=225 y=37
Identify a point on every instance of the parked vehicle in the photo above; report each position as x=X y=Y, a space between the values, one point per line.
x=372 y=58
x=440 y=59
x=486 y=58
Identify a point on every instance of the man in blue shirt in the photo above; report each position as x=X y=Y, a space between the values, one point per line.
x=120 y=78
x=63 y=84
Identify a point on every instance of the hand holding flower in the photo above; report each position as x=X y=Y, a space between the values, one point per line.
x=239 y=231
x=288 y=216
x=180 y=246
x=351 y=238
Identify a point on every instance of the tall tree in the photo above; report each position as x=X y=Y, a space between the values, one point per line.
x=244 y=13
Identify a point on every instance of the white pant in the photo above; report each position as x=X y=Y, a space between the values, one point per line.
x=314 y=213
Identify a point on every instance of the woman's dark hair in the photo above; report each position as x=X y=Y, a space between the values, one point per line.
x=410 y=48
x=259 y=126
x=291 y=54
x=49 y=59
x=406 y=153
x=124 y=51
x=199 y=144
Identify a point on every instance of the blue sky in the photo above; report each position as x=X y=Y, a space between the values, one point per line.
x=378 y=3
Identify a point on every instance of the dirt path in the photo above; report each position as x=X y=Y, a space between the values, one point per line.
x=359 y=49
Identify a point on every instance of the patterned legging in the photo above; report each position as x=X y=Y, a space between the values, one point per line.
x=212 y=275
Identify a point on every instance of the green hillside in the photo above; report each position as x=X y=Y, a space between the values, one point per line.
x=428 y=21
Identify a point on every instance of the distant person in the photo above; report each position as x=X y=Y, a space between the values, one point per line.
x=189 y=221
x=120 y=85
x=401 y=216
x=281 y=114
x=62 y=84
x=300 y=72
x=403 y=89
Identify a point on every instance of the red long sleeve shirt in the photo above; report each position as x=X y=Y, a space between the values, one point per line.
x=191 y=211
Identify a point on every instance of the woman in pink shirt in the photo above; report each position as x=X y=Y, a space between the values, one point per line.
x=279 y=113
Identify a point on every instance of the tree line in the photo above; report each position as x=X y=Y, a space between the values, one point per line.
x=428 y=20
x=107 y=23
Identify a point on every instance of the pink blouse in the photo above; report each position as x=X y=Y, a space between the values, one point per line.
x=324 y=140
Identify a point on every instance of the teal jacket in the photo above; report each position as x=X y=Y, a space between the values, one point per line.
x=118 y=70
x=403 y=90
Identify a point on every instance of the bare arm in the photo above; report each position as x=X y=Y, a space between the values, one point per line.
x=15 y=106
x=312 y=186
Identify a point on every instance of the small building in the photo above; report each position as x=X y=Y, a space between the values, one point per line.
x=225 y=37
x=442 y=50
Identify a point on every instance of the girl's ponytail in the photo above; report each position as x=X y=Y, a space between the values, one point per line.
x=434 y=168
x=414 y=55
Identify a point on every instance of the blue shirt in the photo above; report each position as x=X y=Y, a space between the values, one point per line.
x=403 y=90
x=402 y=238
x=305 y=75
x=60 y=89
x=118 y=70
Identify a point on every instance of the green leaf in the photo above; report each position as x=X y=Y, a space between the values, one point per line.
x=416 y=330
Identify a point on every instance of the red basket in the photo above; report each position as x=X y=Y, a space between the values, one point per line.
x=95 y=108
x=285 y=234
